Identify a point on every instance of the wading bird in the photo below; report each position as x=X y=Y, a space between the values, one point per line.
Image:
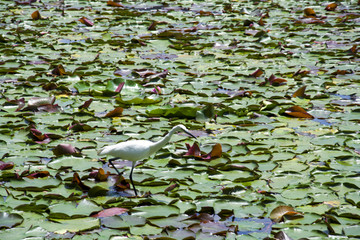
x=135 y=150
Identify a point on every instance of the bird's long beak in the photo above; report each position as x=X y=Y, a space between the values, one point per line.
x=189 y=133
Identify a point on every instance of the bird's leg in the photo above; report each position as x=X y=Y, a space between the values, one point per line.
x=111 y=162
x=132 y=168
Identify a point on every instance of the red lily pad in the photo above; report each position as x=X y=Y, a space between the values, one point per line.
x=194 y=151
x=331 y=7
x=36 y=15
x=114 y=4
x=59 y=70
x=86 y=21
x=40 y=174
x=300 y=92
x=216 y=152
x=274 y=81
x=117 y=112
x=76 y=181
x=6 y=165
x=86 y=104
x=298 y=112
x=65 y=149
x=279 y=212
x=100 y=175
x=257 y=73
x=110 y=212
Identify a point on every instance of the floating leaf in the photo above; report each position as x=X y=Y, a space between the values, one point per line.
x=80 y=127
x=309 y=12
x=331 y=7
x=352 y=231
x=300 y=92
x=67 y=210
x=86 y=104
x=354 y=49
x=59 y=70
x=27 y=2
x=120 y=87
x=98 y=191
x=169 y=112
x=62 y=226
x=40 y=174
x=36 y=102
x=301 y=73
x=278 y=213
x=35 y=184
x=117 y=112
x=65 y=149
x=150 y=74
x=274 y=81
x=172 y=187
x=155 y=211
x=332 y=203
x=86 y=21
x=76 y=181
x=36 y=15
x=257 y=73
x=39 y=137
x=122 y=184
x=6 y=165
x=152 y=26
x=20 y=102
x=126 y=87
x=110 y=212
x=216 y=152
x=202 y=217
x=298 y=112
x=123 y=222
x=233 y=94
x=37 y=134
x=100 y=175
x=42 y=104
x=193 y=151
x=9 y=220
x=206 y=114
x=310 y=20
x=282 y=236
x=114 y=4
x=82 y=87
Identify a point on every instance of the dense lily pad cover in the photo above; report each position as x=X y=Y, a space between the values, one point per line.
x=270 y=88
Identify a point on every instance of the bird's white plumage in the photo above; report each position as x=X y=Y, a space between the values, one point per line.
x=135 y=150
x=132 y=150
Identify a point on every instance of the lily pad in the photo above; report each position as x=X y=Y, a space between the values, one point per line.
x=155 y=211
x=9 y=220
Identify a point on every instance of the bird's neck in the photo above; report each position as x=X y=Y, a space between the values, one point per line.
x=162 y=142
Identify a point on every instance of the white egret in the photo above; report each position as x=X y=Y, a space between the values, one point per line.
x=135 y=150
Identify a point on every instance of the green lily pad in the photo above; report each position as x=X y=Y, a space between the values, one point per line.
x=352 y=231
x=36 y=184
x=76 y=163
x=61 y=226
x=123 y=222
x=155 y=211
x=145 y=230
x=169 y=112
x=9 y=220
x=70 y=210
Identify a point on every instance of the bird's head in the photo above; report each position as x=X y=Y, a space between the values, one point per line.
x=181 y=127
